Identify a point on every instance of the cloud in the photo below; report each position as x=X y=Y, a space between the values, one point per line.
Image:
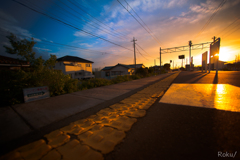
x=9 y=25
x=86 y=45
x=42 y=49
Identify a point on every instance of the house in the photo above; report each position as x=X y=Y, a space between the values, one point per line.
x=119 y=69
x=77 y=68
x=7 y=63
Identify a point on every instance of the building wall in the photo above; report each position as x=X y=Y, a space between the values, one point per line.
x=119 y=70
x=78 y=71
x=78 y=66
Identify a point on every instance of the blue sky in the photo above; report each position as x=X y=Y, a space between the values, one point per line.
x=172 y=22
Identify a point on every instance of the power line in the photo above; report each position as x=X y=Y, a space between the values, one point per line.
x=71 y=25
x=141 y=53
x=212 y=16
x=232 y=32
x=229 y=25
x=51 y=43
x=139 y=23
x=143 y=49
x=229 y=31
x=95 y=18
x=61 y=18
x=104 y=29
x=141 y=19
x=55 y=15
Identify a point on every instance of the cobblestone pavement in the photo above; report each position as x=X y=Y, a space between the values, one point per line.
x=96 y=135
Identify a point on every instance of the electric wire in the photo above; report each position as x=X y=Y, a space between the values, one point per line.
x=141 y=53
x=104 y=29
x=229 y=26
x=141 y=19
x=211 y=18
x=119 y=33
x=58 y=20
x=51 y=43
x=139 y=22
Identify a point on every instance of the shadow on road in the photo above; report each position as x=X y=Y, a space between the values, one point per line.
x=215 y=81
x=200 y=77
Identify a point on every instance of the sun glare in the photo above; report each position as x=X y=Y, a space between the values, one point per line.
x=225 y=53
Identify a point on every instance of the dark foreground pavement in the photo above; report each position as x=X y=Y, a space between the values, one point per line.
x=170 y=131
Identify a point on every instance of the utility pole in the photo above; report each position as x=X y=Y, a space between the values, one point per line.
x=173 y=64
x=134 y=53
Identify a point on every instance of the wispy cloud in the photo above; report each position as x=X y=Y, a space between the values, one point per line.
x=42 y=49
x=86 y=45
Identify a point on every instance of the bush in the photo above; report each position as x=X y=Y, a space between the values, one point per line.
x=134 y=77
x=142 y=72
x=120 y=79
x=13 y=83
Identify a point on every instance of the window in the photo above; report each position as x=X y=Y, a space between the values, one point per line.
x=75 y=73
x=80 y=73
x=87 y=65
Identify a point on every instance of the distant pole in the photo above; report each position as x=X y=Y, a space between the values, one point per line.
x=217 y=56
x=173 y=64
x=160 y=59
x=154 y=65
x=190 y=44
x=134 y=53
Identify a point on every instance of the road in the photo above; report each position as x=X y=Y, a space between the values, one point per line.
x=173 y=131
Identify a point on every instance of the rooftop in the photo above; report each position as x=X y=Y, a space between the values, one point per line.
x=73 y=59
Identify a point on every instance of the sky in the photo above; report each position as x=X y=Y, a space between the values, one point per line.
x=102 y=31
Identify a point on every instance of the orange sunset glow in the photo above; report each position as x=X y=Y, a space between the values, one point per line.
x=154 y=24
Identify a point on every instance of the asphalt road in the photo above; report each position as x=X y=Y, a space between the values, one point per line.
x=182 y=132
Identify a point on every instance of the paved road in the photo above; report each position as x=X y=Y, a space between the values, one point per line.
x=173 y=131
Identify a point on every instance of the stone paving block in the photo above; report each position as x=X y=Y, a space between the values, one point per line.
x=84 y=125
x=123 y=123
x=35 y=150
x=104 y=119
x=133 y=112
x=57 y=138
x=145 y=106
x=103 y=140
x=52 y=155
x=106 y=112
x=158 y=94
x=74 y=150
x=120 y=106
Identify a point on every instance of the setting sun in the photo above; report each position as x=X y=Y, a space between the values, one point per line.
x=225 y=54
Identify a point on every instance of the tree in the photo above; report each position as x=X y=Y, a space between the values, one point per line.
x=142 y=71
x=50 y=63
x=23 y=48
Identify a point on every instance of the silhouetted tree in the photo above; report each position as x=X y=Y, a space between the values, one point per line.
x=24 y=48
